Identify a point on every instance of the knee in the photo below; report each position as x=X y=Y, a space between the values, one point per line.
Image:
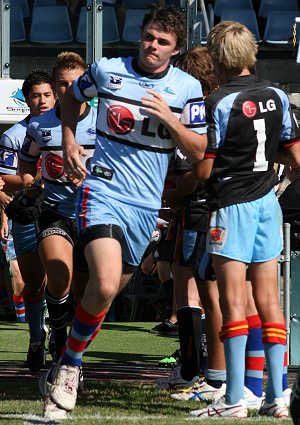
x=104 y=292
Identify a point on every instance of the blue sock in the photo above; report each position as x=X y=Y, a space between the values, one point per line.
x=274 y=358
x=235 y=367
x=34 y=311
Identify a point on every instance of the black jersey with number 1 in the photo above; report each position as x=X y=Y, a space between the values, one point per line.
x=248 y=121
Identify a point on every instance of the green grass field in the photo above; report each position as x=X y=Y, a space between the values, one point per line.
x=120 y=373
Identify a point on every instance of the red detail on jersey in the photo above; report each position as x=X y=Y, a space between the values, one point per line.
x=210 y=155
x=39 y=164
x=249 y=109
x=119 y=119
x=216 y=234
x=54 y=165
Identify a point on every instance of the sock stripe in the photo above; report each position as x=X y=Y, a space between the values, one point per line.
x=18 y=299
x=254 y=321
x=89 y=319
x=233 y=329
x=273 y=333
x=84 y=329
x=254 y=363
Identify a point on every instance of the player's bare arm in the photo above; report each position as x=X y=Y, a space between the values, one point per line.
x=12 y=182
x=191 y=144
x=289 y=156
x=202 y=169
x=73 y=166
x=27 y=171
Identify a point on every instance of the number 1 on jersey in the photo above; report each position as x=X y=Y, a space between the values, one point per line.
x=260 y=164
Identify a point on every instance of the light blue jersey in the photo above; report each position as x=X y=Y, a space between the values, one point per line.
x=44 y=138
x=133 y=147
x=10 y=145
x=23 y=240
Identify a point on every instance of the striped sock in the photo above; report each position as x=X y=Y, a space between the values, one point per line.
x=19 y=308
x=84 y=329
x=234 y=336
x=255 y=356
x=274 y=339
x=285 y=384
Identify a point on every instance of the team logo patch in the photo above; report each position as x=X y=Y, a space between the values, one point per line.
x=104 y=173
x=168 y=90
x=54 y=165
x=91 y=131
x=119 y=119
x=46 y=136
x=7 y=157
x=146 y=85
x=197 y=113
x=249 y=109
x=216 y=235
x=115 y=82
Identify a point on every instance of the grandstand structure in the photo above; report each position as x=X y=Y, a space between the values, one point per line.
x=33 y=32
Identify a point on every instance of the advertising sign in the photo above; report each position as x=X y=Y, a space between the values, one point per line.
x=13 y=107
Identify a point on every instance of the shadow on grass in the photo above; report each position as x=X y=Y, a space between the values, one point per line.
x=122 y=357
x=25 y=389
x=111 y=326
x=129 y=397
x=8 y=327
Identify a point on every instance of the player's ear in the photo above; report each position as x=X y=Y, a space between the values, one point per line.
x=175 y=52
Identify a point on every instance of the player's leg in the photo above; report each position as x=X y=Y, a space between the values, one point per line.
x=34 y=279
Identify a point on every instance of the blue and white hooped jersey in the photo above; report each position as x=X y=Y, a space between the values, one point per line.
x=44 y=137
x=10 y=144
x=133 y=147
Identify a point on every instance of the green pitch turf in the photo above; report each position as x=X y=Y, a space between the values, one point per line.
x=120 y=370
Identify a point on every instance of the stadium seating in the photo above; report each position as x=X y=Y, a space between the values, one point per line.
x=132 y=25
x=267 y=6
x=17 y=27
x=245 y=17
x=220 y=5
x=39 y=3
x=176 y=3
x=110 y=26
x=24 y=6
x=279 y=27
x=50 y=25
x=140 y=4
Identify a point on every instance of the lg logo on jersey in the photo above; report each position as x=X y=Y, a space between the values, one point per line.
x=249 y=108
x=120 y=121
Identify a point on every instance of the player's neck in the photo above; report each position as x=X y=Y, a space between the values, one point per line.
x=245 y=72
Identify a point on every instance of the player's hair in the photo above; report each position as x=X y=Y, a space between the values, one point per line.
x=69 y=61
x=197 y=62
x=233 y=46
x=35 y=78
x=168 y=19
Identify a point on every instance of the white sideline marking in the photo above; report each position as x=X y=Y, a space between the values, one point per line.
x=29 y=419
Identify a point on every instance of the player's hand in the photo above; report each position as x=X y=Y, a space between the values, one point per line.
x=74 y=169
x=157 y=106
x=2 y=183
x=4 y=199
